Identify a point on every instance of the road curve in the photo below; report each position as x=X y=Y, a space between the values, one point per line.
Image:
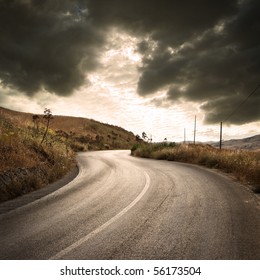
x=120 y=207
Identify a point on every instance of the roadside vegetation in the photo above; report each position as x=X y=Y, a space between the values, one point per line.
x=244 y=165
x=27 y=163
x=36 y=150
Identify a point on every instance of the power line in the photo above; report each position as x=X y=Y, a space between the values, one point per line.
x=221 y=123
x=242 y=103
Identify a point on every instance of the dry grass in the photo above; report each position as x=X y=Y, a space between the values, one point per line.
x=244 y=165
x=26 y=164
x=83 y=134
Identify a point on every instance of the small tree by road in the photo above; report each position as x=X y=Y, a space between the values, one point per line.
x=47 y=117
x=144 y=136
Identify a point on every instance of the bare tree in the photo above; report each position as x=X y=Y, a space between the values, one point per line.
x=138 y=138
x=144 y=136
x=47 y=117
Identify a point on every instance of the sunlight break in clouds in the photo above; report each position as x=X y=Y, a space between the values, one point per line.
x=142 y=65
x=111 y=98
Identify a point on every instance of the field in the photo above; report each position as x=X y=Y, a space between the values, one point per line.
x=244 y=165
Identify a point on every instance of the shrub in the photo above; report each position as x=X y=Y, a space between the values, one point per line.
x=20 y=149
x=245 y=165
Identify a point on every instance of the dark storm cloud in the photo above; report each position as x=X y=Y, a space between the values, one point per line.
x=46 y=44
x=202 y=51
x=169 y=21
x=218 y=67
x=51 y=44
x=228 y=109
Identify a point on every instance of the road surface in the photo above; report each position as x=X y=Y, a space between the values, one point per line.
x=120 y=207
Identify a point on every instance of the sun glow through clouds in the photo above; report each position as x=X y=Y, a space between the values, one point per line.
x=148 y=79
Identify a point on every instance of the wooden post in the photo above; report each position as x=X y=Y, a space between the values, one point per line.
x=220 y=138
x=194 y=141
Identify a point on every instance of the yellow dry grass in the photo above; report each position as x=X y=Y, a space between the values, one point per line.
x=21 y=148
x=244 y=165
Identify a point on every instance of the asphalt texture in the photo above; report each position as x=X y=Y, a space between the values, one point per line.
x=121 y=207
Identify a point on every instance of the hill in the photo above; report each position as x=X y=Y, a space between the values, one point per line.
x=250 y=143
x=87 y=134
x=32 y=155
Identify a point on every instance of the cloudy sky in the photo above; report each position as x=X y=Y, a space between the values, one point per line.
x=145 y=65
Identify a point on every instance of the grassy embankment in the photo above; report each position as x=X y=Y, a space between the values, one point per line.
x=26 y=164
x=244 y=165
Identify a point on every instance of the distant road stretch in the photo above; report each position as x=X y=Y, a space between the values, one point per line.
x=120 y=207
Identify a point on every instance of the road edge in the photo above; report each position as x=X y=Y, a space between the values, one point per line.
x=20 y=201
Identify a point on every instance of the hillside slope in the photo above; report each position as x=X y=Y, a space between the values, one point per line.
x=29 y=161
x=88 y=134
x=249 y=143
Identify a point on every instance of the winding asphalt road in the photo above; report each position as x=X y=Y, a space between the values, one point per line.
x=120 y=207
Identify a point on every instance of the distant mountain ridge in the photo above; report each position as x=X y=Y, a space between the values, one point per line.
x=249 y=143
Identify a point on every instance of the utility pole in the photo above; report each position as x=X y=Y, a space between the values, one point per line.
x=184 y=135
x=220 y=138
x=233 y=112
x=194 y=141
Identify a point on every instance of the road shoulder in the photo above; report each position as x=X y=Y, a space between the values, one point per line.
x=30 y=197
